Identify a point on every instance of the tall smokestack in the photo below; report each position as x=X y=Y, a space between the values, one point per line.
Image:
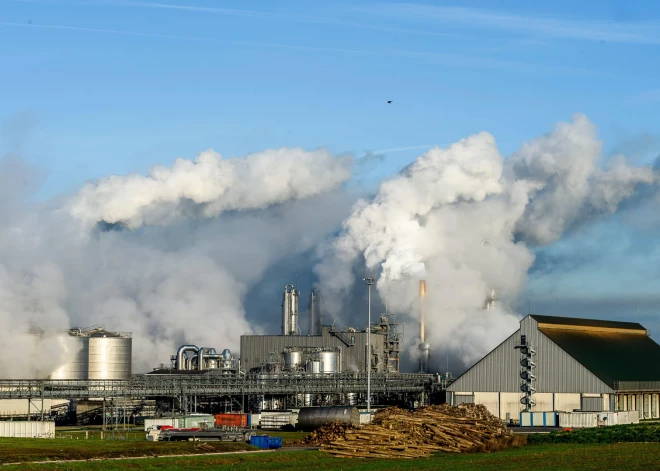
x=314 y=312
x=491 y=301
x=290 y=310
x=424 y=347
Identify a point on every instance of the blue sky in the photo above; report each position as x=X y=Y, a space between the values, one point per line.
x=118 y=86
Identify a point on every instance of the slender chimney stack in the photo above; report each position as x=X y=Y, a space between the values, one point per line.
x=424 y=347
x=314 y=313
x=290 y=310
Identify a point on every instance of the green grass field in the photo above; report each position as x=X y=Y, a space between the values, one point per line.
x=546 y=452
x=13 y=450
x=628 y=456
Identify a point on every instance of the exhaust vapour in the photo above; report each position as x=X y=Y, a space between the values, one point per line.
x=209 y=186
x=227 y=223
x=197 y=238
x=430 y=221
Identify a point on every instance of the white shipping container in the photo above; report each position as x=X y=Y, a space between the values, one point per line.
x=25 y=429
x=597 y=419
x=538 y=419
x=578 y=419
x=278 y=419
x=196 y=421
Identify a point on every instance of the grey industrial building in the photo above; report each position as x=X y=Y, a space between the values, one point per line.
x=268 y=353
x=566 y=364
x=324 y=349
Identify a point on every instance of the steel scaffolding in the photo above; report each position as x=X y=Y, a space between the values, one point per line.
x=177 y=386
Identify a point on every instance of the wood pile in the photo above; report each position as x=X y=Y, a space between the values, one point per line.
x=328 y=433
x=397 y=433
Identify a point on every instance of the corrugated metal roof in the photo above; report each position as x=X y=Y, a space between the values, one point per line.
x=610 y=355
x=586 y=322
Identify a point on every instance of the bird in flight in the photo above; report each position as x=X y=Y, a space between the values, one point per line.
x=389 y=101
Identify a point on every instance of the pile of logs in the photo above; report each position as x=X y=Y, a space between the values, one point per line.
x=397 y=433
x=327 y=434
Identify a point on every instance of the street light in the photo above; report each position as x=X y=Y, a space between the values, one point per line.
x=369 y=282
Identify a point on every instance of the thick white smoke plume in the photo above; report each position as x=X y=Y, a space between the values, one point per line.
x=173 y=256
x=431 y=222
x=210 y=186
x=185 y=283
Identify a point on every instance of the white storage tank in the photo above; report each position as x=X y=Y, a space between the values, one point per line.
x=330 y=360
x=314 y=367
x=94 y=353
x=292 y=359
x=110 y=357
x=76 y=351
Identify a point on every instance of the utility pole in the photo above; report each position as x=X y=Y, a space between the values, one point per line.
x=369 y=282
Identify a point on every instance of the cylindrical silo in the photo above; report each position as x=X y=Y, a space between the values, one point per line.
x=292 y=359
x=76 y=358
x=110 y=357
x=330 y=360
x=314 y=367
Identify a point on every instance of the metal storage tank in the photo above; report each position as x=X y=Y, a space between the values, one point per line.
x=314 y=367
x=292 y=359
x=330 y=360
x=95 y=353
x=76 y=350
x=110 y=357
x=311 y=418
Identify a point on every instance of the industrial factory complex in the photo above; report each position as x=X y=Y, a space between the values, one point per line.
x=549 y=364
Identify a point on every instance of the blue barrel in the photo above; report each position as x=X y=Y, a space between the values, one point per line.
x=260 y=441
x=274 y=442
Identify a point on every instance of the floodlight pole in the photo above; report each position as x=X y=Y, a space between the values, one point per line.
x=369 y=282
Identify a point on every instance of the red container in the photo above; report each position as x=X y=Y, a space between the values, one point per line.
x=231 y=420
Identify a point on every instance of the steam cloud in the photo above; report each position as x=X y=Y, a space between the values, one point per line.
x=184 y=283
x=431 y=222
x=196 y=238
x=210 y=186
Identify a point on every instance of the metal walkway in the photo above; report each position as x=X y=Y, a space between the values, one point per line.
x=145 y=386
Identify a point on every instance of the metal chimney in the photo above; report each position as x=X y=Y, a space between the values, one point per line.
x=424 y=347
x=314 y=327
x=290 y=310
x=491 y=301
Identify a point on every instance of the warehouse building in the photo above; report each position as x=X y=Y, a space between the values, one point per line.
x=566 y=364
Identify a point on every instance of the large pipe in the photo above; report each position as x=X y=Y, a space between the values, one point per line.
x=207 y=354
x=180 y=365
x=200 y=357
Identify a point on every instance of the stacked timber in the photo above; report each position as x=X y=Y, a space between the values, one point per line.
x=328 y=433
x=397 y=433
